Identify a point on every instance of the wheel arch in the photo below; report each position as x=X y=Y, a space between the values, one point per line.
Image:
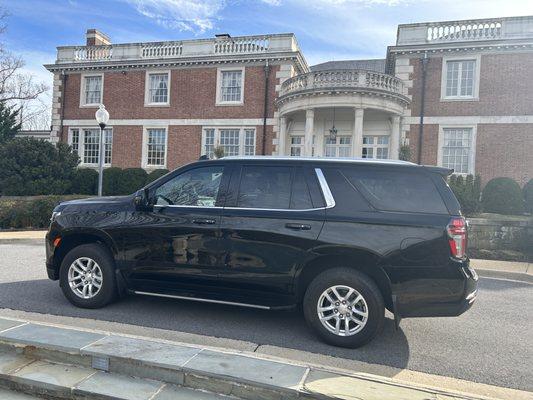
x=70 y=240
x=362 y=261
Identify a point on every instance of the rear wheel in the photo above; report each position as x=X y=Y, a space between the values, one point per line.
x=87 y=276
x=344 y=307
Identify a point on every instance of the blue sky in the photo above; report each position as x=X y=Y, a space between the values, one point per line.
x=326 y=29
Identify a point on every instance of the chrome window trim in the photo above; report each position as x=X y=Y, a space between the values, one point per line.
x=274 y=209
x=328 y=196
x=182 y=206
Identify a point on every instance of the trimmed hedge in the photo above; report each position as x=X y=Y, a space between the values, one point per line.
x=502 y=196
x=132 y=179
x=33 y=213
x=468 y=191
x=155 y=174
x=85 y=181
x=528 y=196
x=111 y=181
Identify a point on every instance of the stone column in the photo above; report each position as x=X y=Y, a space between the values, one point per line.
x=282 y=138
x=394 y=141
x=309 y=129
x=357 y=138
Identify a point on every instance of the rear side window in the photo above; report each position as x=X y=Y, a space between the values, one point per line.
x=265 y=187
x=397 y=191
x=300 y=198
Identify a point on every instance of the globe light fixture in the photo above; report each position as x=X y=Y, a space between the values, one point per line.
x=102 y=118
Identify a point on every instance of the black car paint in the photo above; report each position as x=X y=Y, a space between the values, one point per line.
x=256 y=256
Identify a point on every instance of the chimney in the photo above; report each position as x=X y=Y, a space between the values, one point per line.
x=96 y=38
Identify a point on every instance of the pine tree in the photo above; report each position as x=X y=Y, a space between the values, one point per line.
x=9 y=124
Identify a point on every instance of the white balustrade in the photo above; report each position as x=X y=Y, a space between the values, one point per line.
x=161 y=50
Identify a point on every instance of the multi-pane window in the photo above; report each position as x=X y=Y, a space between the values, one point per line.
x=234 y=141
x=375 y=147
x=340 y=146
x=86 y=143
x=92 y=90
x=156 y=143
x=249 y=142
x=231 y=86
x=209 y=142
x=75 y=140
x=158 y=88
x=460 y=78
x=297 y=145
x=456 y=150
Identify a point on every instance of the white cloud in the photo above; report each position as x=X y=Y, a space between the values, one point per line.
x=186 y=15
x=272 y=2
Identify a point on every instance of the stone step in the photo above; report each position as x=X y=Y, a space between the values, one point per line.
x=24 y=378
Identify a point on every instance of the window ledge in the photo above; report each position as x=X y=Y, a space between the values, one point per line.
x=157 y=104
x=95 y=105
x=229 y=103
x=452 y=99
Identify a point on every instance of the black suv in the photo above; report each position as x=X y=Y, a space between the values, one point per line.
x=344 y=238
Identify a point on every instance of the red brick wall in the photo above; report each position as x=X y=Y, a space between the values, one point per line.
x=505 y=150
x=430 y=143
x=505 y=87
x=192 y=95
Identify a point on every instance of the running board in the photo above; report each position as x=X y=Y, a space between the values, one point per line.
x=229 y=303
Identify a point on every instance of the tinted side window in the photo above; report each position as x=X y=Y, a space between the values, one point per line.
x=265 y=187
x=300 y=198
x=397 y=191
x=196 y=187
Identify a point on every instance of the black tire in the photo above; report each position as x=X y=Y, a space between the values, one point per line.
x=362 y=284
x=108 y=290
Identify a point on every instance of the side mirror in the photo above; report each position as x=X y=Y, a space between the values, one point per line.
x=142 y=200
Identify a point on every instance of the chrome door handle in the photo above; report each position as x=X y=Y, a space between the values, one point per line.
x=203 y=221
x=298 y=227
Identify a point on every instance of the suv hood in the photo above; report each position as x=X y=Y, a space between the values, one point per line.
x=106 y=203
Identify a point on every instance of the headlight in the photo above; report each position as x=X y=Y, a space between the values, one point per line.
x=55 y=214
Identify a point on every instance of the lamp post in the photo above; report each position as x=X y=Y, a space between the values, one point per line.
x=102 y=117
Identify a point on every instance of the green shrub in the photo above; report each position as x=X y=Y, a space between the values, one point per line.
x=467 y=190
x=32 y=213
x=132 y=179
x=30 y=166
x=111 y=181
x=528 y=196
x=85 y=181
x=502 y=196
x=155 y=174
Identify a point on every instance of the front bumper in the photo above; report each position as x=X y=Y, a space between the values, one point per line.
x=52 y=270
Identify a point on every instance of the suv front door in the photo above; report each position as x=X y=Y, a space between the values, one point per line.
x=272 y=218
x=176 y=246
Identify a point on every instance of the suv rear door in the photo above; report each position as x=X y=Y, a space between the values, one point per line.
x=272 y=218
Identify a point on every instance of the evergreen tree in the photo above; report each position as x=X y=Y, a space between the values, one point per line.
x=9 y=124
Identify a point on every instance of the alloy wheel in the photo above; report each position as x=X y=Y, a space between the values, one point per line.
x=85 y=277
x=342 y=310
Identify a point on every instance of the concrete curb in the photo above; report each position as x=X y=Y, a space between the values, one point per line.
x=85 y=354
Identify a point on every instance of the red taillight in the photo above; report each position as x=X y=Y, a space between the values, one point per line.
x=457 y=237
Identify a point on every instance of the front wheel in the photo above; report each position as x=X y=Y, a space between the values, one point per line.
x=344 y=307
x=87 y=276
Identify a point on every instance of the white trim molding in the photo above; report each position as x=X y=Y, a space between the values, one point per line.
x=144 y=151
x=219 y=102
x=472 y=119
x=473 y=140
x=165 y=122
x=82 y=90
x=242 y=137
x=477 y=69
x=149 y=72
x=81 y=143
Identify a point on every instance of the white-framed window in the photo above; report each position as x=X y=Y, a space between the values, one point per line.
x=375 y=146
x=460 y=78
x=86 y=143
x=457 y=148
x=154 y=152
x=91 y=91
x=240 y=141
x=297 y=146
x=157 y=86
x=230 y=86
x=341 y=146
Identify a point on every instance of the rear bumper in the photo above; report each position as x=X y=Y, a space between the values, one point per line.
x=442 y=297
